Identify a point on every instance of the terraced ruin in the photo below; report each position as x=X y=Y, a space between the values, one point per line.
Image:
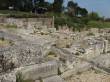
x=42 y=54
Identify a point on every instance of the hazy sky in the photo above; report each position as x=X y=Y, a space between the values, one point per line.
x=100 y=6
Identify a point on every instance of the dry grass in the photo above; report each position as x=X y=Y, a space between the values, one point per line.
x=4 y=43
x=51 y=55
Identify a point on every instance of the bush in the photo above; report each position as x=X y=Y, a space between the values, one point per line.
x=11 y=26
x=98 y=24
x=20 y=14
x=90 y=34
x=75 y=22
x=52 y=54
x=59 y=22
x=19 y=78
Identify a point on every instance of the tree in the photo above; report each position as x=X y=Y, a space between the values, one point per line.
x=11 y=2
x=27 y=5
x=94 y=16
x=24 y=5
x=82 y=11
x=3 y=4
x=75 y=10
x=42 y=3
x=58 y=6
x=72 y=8
x=41 y=6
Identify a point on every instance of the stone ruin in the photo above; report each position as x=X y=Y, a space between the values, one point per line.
x=28 y=22
x=51 y=57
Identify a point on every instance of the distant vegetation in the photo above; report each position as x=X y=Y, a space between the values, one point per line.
x=98 y=24
x=72 y=15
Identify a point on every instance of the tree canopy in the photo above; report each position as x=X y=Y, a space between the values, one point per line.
x=71 y=15
x=56 y=6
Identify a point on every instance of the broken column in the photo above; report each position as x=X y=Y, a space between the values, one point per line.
x=105 y=49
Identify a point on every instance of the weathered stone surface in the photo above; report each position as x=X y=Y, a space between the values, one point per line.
x=89 y=76
x=102 y=61
x=78 y=68
x=20 y=53
x=29 y=48
x=53 y=79
x=9 y=77
x=31 y=22
x=64 y=43
x=40 y=71
x=37 y=81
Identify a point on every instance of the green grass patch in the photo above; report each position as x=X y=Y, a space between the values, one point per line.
x=20 y=78
x=4 y=42
x=21 y=14
x=90 y=34
x=11 y=26
x=51 y=54
x=98 y=24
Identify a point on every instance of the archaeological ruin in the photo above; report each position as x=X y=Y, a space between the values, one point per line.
x=32 y=49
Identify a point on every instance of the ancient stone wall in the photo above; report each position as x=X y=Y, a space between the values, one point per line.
x=40 y=70
x=28 y=22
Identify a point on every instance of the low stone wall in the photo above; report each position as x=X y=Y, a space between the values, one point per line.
x=28 y=22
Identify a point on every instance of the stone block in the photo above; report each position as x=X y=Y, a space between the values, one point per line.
x=40 y=70
x=53 y=79
x=37 y=81
x=52 y=30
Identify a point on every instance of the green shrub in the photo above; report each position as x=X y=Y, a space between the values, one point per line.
x=67 y=46
x=78 y=73
x=28 y=80
x=90 y=34
x=11 y=26
x=52 y=54
x=40 y=79
x=77 y=53
x=75 y=22
x=97 y=71
x=19 y=78
x=59 y=72
x=98 y=24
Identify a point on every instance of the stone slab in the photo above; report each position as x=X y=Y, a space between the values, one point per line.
x=53 y=79
x=37 y=81
x=37 y=71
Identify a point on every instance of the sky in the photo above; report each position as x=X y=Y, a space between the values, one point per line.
x=100 y=6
